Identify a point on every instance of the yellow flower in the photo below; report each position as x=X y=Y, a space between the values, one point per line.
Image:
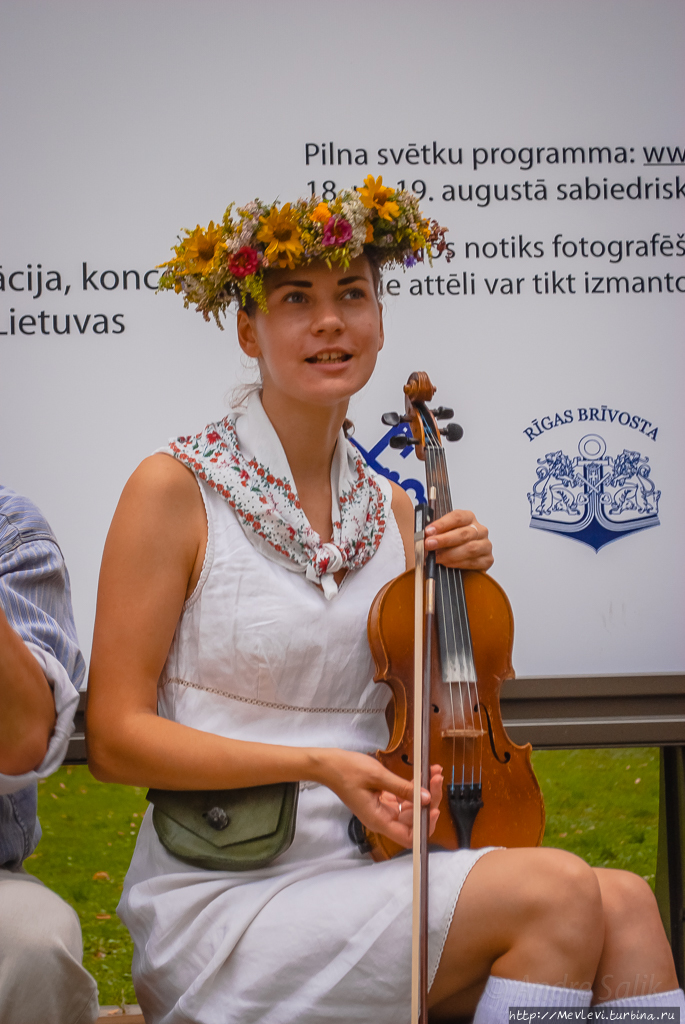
x=201 y=248
x=375 y=196
x=282 y=235
x=321 y=215
x=369 y=233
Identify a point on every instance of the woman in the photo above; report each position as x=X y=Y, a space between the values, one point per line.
x=230 y=651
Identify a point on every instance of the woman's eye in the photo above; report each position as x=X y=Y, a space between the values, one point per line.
x=295 y=297
x=355 y=293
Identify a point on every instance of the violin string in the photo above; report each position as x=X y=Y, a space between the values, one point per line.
x=460 y=625
x=466 y=651
x=458 y=638
x=460 y=605
x=434 y=479
x=445 y=623
x=463 y=685
x=436 y=467
x=474 y=696
x=456 y=634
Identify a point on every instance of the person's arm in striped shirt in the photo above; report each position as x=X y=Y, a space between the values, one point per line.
x=41 y=666
x=27 y=705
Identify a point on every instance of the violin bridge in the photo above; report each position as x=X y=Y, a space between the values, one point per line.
x=469 y=734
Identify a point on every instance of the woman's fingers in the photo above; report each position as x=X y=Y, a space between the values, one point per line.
x=381 y=800
x=460 y=541
x=436 y=786
x=405 y=808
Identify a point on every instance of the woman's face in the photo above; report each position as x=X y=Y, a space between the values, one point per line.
x=319 y=341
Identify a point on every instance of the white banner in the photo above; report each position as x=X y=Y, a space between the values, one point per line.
x=547 y=137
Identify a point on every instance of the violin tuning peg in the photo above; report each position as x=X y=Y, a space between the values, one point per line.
x=443 y=413
x=400 y=441
x=391 y=419
x=453 y=432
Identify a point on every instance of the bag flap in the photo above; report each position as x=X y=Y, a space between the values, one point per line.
x=252 y=813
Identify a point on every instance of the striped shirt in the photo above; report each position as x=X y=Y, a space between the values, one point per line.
x=35 y=597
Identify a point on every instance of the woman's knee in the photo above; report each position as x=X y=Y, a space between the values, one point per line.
x=518 y=895
x=625 y=896
x=556 y=884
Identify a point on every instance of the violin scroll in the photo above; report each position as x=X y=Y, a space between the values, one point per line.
x=419 y=388
x=417 y=391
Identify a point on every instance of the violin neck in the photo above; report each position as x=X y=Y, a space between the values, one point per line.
x=454 y=634
x=436 y=476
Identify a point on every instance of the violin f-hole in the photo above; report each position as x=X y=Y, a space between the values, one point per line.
x=507 y=755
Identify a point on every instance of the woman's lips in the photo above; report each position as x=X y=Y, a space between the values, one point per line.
x=329 y=357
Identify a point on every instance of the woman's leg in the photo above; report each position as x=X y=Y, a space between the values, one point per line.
x=529 y=914
x=636 y=958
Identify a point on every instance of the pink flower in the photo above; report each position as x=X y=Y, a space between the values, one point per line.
x=245 y=261
x=337 y=231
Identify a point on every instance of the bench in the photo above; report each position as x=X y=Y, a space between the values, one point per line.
x=565 y=712
x=562 y=713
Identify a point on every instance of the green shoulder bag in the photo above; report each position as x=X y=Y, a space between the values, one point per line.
x=226 y=829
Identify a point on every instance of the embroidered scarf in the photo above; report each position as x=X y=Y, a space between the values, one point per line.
x=242 y=459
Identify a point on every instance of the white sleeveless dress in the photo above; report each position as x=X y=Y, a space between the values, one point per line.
x=323 y=933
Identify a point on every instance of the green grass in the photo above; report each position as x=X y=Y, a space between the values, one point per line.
x=595 y=808
x=89 y=831
x=603 y=805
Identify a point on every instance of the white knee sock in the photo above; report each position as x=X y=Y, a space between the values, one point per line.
x=673 y=998
x=501 y=993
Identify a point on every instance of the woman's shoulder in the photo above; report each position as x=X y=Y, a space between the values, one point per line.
x=403 y=510
x=163 y=493
x=159 y=525
x=161 y=477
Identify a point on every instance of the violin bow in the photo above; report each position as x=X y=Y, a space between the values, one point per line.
x=424 y=608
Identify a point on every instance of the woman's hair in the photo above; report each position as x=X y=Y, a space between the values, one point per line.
x=372 y=255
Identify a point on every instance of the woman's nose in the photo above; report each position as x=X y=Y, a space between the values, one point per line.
x=327 y=321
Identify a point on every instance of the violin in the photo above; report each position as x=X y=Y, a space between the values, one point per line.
x=442 y=639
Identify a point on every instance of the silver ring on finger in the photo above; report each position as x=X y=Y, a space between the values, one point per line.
x=473 y=527
x=399 y=810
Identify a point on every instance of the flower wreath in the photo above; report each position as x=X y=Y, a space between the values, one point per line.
x=225 y=262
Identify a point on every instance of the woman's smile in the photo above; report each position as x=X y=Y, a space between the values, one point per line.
x=329 y=358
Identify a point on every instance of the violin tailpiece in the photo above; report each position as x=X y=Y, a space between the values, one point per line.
x=464 y=803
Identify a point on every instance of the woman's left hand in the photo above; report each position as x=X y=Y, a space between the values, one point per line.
x=460 y=541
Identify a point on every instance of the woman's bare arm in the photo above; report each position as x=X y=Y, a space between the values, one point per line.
x=151 y=563
x=152 y=560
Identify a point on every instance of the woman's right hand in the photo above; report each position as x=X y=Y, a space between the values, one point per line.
x=381 y=800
